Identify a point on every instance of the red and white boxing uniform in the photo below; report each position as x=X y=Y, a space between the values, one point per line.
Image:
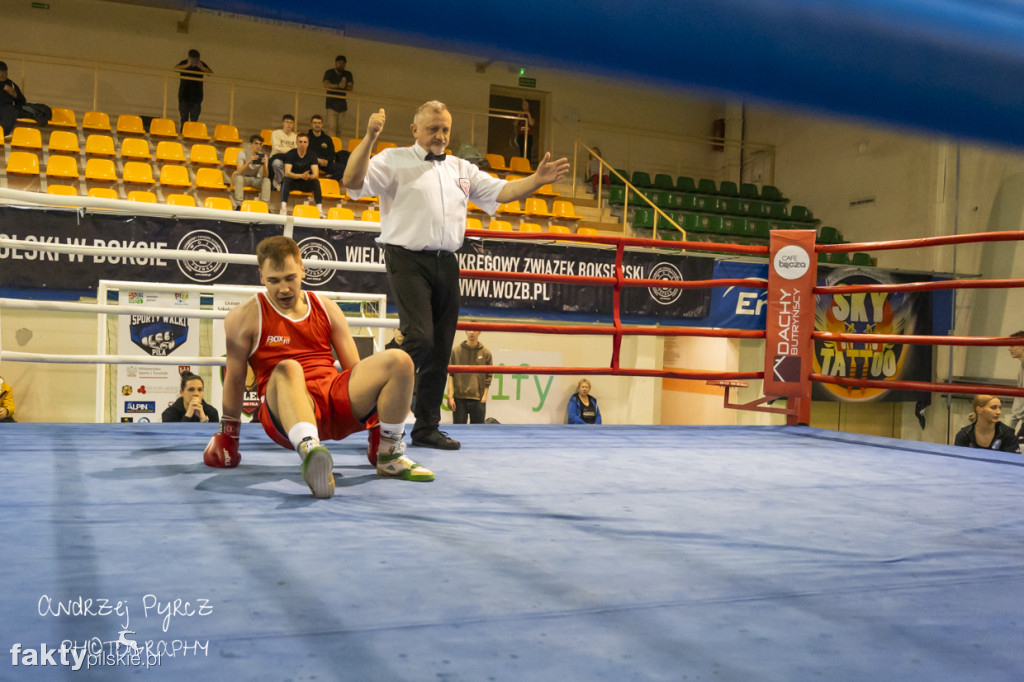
x=308 y=342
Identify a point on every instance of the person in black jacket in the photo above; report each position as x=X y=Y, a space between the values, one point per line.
x=190 y=407
x=985 y=430
x=11 y=99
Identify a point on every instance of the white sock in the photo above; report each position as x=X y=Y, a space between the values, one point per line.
x=302 y=431
x=392 y=432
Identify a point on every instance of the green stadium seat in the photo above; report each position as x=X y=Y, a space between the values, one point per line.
x=749 y=191
x=641 y=179
x=759 y=228
x=615 y=180
x=777 y=211
x=707 y=186
x=863 y=259
x=728 y=189
x=685 y=184
x=839 y=258
x=664 y=182
x=670 y=234
x=691 y=222
x=732 y=207
x=643 y=218
x=771 y=193
x=711 y=205
x=755 y=209
x=716 y=224
x=687 y=202
x=736 y=226
x=829 y=235
x=801 y=214
x=617 y=195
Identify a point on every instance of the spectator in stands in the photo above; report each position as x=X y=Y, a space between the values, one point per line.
x=301 y=174
x=190 y=87
x=321 y=144
x=583 y=407
x=467 y=393
x=190 y=406
x=524 y=125
x=396 y=340
x=337 y=82
x=11 y=98
x=595 y=172
x=251 y=171
x=985 y=430
x=282 y=141
x=1017 y=411
x=6 y=395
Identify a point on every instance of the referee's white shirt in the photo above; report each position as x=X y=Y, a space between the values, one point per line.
x=423 y=204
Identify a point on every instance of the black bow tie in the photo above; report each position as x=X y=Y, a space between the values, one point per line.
x=431 y=156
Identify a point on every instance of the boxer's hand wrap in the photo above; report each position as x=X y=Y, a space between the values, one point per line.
x=222 y=450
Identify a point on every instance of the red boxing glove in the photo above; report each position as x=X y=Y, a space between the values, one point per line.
x=222 y=450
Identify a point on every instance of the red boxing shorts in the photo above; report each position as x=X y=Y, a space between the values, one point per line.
x=334 y=419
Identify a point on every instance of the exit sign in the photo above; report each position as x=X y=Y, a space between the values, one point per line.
x=527 y=82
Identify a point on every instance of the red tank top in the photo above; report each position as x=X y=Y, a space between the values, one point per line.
x=307 y=340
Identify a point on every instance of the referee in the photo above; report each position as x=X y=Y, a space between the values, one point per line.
x=424 y=195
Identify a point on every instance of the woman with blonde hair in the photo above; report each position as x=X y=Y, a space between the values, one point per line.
x=583 y=407
x=985 y=430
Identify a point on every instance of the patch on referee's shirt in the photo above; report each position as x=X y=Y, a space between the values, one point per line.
x=464 y=184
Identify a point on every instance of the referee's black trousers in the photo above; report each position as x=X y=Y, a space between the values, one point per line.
x=425 y=285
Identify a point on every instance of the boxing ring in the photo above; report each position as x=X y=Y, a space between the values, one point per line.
x=539 y=553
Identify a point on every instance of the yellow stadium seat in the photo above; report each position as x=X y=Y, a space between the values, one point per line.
x=337 y=143
x=168 y=151
x=95 y=121
x=536 y=206
x=330 y=189
x=547 y=191
x=305 y=211
x=203 y=155
x=255 y=206
x=103 y=193
x=474 y=224
x=559 y=229
x=63 y=142
x=340 y=213
x=163 y=128
x=381 y=146
x=63 y=118
x=511 y=208
x=370 y=216
x=194 y=131
x=137 y=173
x=142 y=196
x=130 y=124
x=180 y=200
x=62 y=167
x=564 y=210
x=27 y=138
x=530 y=227
x=100 y=145
x=520 y=164
x=231 y=157
x=62 y=190
x=589 y=231
x=100 y=170
x=226 y=134
x=353 y=142
x=210 y=179
x=23 y=163
x=220 y=203
x=496 y=162
x=172 y=175
x=265 y=134
x=136 y=149
x=512 y=176
x=500 y=225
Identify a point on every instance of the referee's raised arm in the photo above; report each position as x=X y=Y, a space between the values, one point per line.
x=359 y=161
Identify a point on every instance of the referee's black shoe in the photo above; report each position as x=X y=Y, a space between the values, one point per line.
x=436 y=439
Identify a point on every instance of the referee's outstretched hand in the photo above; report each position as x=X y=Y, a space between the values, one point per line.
x=549 y=171
x=376 y=124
